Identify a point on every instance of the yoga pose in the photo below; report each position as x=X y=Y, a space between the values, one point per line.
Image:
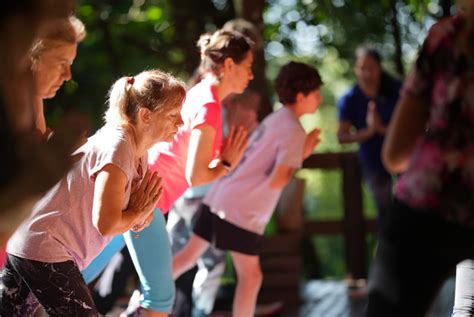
x=364 y=114
x=238 y=207
x=109 y=191
x=197 y=155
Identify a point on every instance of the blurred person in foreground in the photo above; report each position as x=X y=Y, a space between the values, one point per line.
x=430 y=227
x=30 y=165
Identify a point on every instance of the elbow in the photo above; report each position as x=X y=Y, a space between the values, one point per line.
x=276 y=186
x=195 y=180
x=394 y=162
x=279 y=184
x=105 y=229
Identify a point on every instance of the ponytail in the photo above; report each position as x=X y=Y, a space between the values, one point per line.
x=153 y=89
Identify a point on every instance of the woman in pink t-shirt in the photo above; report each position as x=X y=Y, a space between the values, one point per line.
x=110 y=190
x=196 y=156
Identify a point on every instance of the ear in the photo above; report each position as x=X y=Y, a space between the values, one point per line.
x=299 y=98
x=144 y=115
x=228 y=64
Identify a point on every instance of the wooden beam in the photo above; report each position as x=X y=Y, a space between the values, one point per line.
x=333 y=227
x=328 y=160
x=354 y=226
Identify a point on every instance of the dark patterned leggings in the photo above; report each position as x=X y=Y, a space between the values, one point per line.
x=59 y=287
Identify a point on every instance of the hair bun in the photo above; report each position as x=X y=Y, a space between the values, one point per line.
x=204 y=41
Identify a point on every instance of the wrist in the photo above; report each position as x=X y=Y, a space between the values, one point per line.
x=382 y=129
x=132 y=213
x=370 y=131
x=307 y=153
x=226 y=165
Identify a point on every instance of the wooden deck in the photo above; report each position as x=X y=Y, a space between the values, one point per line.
x=327 y=298
x=330 y=298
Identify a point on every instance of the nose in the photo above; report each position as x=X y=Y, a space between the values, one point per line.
x=67 y=73
x=179 y=121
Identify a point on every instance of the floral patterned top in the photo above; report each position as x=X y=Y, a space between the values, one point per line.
x=440 y=176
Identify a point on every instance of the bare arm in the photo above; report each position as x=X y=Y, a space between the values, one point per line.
x=382 y=128
x=312 y=140
x=281 y=176
x=200 y=156
x=198 y=169
x=408 y=123
x=109 y=190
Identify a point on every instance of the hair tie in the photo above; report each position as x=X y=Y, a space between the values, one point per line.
x=131 y=80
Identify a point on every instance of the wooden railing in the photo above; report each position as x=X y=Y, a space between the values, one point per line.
x=353 y=226
x=281 y=256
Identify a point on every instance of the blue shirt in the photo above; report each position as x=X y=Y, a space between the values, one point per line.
x=353 y=108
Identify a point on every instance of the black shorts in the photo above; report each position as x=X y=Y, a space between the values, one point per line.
x=225 y=235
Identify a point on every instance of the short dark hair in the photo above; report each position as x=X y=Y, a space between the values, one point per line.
x=370 y=51
x=294 y=78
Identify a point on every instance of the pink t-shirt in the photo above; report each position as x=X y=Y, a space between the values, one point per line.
x=202 y=107
x=60 y=227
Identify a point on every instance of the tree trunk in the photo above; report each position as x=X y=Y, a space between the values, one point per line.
x=188 y=26
x=114 y=59
x=446 y=6
x=191 y=18
x=397 y=39
x=252 y=10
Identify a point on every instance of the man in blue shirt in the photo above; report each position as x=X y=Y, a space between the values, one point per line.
x=364 y=114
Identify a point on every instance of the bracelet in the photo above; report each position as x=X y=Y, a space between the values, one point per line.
x=226 y=165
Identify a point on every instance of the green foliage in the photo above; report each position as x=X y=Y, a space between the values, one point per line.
x=127 y=37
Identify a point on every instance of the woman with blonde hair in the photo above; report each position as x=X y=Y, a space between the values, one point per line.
x=197 y=155
x=108 y=192
x=30 y=164
x=52 y=55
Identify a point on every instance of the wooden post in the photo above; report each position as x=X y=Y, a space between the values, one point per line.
x=252 y=11
x=354 y=224
x=289 y=212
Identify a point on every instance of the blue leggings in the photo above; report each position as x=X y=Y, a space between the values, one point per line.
x=151 y=255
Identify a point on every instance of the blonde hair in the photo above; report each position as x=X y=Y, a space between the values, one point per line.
x=55 y=33
x=152 y=89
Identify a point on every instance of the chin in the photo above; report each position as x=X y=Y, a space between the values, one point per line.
x=241 y=90
x=50 y=95
x=169 y=138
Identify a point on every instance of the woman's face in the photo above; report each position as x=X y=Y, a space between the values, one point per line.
x=241 y=74
x=53 y=68
x=165 y=124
